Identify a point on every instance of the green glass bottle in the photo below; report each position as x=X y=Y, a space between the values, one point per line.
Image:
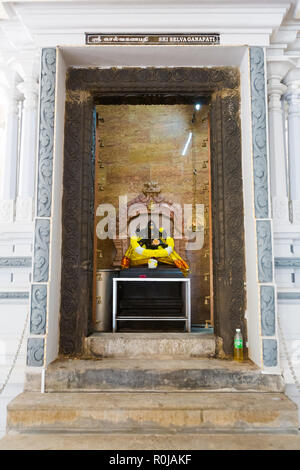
x=238 y=354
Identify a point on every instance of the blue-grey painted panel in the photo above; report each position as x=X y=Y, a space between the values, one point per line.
x=38 y=309
x=288 y=295
x=264 y=251
x=15 y=262
x=259 y=134
x=267 y=310
x=35 y=352
x=14 y=295
x=270 y=352
x=287 y=262
x=41 y=250
x=46 y=132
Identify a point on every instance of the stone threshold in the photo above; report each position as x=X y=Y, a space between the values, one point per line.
x=112 y=374
x=150 y=345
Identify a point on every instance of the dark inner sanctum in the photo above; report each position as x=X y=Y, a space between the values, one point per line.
x=167 y=144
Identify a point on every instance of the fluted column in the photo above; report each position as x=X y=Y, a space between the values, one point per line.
x=292 y=96
x=278 y=165
x=8 y=182
x=28 y=149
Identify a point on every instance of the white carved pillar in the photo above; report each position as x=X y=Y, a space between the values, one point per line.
x=278 y=165
x=8 y=180
x=292 y=96
x=28 y=149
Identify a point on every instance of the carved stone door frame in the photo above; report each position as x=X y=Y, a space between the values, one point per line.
x=83 y=88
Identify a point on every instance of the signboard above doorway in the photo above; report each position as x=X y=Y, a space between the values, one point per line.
x=152 y=39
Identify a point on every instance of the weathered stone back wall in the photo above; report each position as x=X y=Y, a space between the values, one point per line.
x=137 y=144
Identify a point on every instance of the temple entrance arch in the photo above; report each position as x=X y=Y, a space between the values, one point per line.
x=84 y=88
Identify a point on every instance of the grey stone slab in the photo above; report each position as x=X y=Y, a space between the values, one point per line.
x=147 y=345
x=157 y=374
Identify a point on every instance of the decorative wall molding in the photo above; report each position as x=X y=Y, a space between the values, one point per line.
x=288 y=296
x=287 y=262
x=16 y=262
x=262 y=205
x=270 y=352
x=264 y=251
x=238 y=23
x=267 y=309
x=41 y=250
x=35 y=346
x=46 y=132
x=14 y=295
x=259 y=133
x=38 y=309
x=35 y=352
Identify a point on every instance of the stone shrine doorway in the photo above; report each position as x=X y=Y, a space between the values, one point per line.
x=87 y=88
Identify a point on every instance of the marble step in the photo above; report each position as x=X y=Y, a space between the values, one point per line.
x=155 y=374
x=152 y=413
x=149 y=345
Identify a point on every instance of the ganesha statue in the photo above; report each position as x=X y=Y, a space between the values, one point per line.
x=152 y=246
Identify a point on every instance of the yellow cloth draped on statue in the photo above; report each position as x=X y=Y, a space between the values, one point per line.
x=138 y=254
